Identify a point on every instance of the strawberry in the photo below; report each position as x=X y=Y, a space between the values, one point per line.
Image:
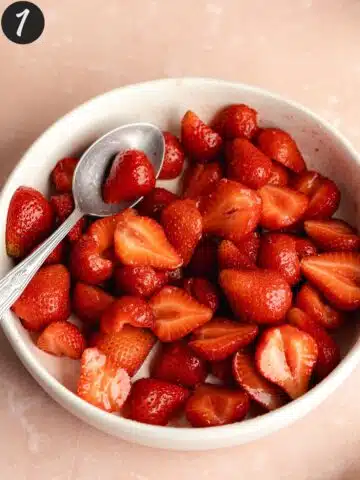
x=332 y=235
x=140 y=281
x=337 y=276
x=182 y=223
x=177 y=363
x=30 y=220
x=328 y=352
x=265 y=393
x=63 y=205
x=280 y=146
x=311 y=301
x=221 y=337
x=62 y=339
x=128 y=348
x=201 y=143
x=131 y=176
x=177 y=314
x=260 y=296
x=203 y=291
x=279 y=176
x=62 y=174
x=140 y=241
x=242 y=255
x=286 y=356
x=247 y=164
x=126 y=310
x=46 y=299
x=173 y=159
x=281 y=207
x=307 y=182
x=204 y=260
x=278 y=252
x=201 y=179
x=222 y=370
x=155 y=201
x=155 y=401
x=212 y=405
x=235 y=121
x=90 y=302
x=304 y=247
x=102 y=384
x=231 y=211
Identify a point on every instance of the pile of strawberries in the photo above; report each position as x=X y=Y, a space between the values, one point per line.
x=244 y=276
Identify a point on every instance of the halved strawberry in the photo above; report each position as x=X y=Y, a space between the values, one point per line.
x=332 y=235
x=231 y=211
x=203 y=291
x=287 y=356
x=337 y=276
x=307 y=182
x=155 y=401
x=280 y=146
x=154 y=202
x=62 y=174
x=140 y=281
x=204 y=260
x=312 y=302
x=247 y=164
x=177 y=363
x=177 y=314
x=234 y=121
x=201 y=179
x=140 y=241
x=201 y=143
x=304 y=246
x=281 y=207
x=265 y=393
x=182 y=223
x=260 y=296
x=212 y=405
x=278 y=252
x=89 y=302
x=328 y=351
x=63 y=205
x=173 y=159
x=126 y=310
x=62 y=339
x=101 y=383
x=242 y=255
x=222 y=370
x=128 y=348
x=221 y=337
x=279 y=176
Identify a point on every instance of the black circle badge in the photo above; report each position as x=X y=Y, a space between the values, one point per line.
x=23 y=22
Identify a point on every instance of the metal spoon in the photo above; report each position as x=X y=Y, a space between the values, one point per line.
x=87 y=182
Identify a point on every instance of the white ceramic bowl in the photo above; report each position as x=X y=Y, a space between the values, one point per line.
x=164 y=102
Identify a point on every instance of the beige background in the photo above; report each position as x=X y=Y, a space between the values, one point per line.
x=307 y=50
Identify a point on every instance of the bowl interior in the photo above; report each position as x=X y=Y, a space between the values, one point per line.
x=164 y=103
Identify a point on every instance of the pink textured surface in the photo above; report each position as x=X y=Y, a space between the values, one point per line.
x=307 y=50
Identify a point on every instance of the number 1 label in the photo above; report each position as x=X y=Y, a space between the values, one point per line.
x=23 y=15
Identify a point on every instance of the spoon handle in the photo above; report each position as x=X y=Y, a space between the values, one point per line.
x=15 y=282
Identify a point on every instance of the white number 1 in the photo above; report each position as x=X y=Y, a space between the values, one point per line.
x=23 y=15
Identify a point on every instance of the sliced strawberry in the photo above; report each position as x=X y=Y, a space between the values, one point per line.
x=242 y=255
x=260 y=296
x=173 y=159
x=234 y=121
x=177 y=314
x=280 y=146
x=278 y=252
x=126 y=310
x=279 y=176
x=177 y=363
x=337 y=276
x=222 y=370
x=212 y=405
x=307 y=182
x=328 y=351
x=155 y=401
x=304 y=247
x=332 y=235
x=90 y=302
x=101 y=383
x=154 y=202
x=201 y=179
x=281 y=207
x=62 y=339
x=63 y=205
x=231 y=211
x=221 y=337
x=265 y=393
x=128 y=348
x=203 y=291
x=247 y=164
x=62 y=174
x=287 y=356
x=182 y=223
x=140 y=241
x=201 y=143
x=312 y=302
x=204 y=260
x=140 y=281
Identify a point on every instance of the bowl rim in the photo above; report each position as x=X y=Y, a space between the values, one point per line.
x=272 y=420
